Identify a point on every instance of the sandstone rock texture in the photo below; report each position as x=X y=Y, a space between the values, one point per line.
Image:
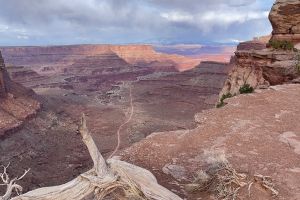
x=3 y=78
x=53 y=59
x=258 y=132
x=260 y=69
x=16 y=102
x=285 y=19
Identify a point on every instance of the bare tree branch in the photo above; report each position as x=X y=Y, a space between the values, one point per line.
x=105 y=178
x=99 y=162
x=10 y=184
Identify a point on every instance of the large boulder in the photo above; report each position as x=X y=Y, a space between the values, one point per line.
x=285 y=19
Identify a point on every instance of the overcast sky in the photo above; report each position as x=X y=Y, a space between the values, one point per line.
x=50 y=22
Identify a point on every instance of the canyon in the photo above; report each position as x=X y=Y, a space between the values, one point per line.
x=17 y=103
x=174 y=131
x=96 y=80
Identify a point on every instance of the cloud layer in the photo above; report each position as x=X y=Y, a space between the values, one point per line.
x=44 y=22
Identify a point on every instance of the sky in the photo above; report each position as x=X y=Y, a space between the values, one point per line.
x=56 y=22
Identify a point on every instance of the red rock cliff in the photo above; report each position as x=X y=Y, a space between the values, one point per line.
x=258 y=66
x=3 y=78
x=17 y=103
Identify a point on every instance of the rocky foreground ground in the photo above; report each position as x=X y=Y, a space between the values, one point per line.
x=258 y=133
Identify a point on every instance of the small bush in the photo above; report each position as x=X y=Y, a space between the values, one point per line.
x=224 y=96
x=298 y=63
x=284 y=45
x=246 y=88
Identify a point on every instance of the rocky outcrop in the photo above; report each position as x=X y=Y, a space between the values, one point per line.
x=255 y=45
x=260 y=69
x=259 y=66
x=285 y=19
x=3 y=78
x=17 y=103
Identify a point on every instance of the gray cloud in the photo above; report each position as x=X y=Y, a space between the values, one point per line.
x=28 y=22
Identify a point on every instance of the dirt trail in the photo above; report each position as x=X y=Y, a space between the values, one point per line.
x=122 y=125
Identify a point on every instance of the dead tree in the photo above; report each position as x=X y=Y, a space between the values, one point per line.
x=106 y=177
x=11 y=185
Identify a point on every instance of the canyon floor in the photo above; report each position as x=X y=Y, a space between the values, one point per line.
x=164 y=99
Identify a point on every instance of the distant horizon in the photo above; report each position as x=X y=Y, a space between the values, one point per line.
x=118 y=22
x=128 y=44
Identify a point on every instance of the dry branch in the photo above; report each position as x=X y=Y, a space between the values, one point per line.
x=10 y=184
x=105 y=178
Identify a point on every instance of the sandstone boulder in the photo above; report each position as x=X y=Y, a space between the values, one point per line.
x=285 y=19
x=255 y=44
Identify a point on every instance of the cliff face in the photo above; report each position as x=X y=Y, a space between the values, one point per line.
x=59 y=57
x=16 y=102
x=3 y=78
x=260 y=67
x=285 y=19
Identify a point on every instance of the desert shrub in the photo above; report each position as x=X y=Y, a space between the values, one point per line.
x=224 y=96
x=246 y=88
x=298 y=63
x=222 y=180
x=281 y=44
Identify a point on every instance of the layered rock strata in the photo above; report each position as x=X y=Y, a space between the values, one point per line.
x=3 y=78
x=261 y=68
x=258 y=66
x=17 y=103
x=41 y=59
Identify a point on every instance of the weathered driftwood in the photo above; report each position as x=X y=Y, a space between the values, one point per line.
x=104 y=178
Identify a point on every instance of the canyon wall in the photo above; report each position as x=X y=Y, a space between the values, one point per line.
x=3 y=78
x=259 y=66
x=17 y=104
x=59 y=57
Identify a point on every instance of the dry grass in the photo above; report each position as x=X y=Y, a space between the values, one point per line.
x=122 y=189
x=223 y=181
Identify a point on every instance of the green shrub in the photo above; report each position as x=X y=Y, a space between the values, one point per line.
x=246 y=88
x=298 y=63
x=224 y=96
x=220 y=104
x=281 y=44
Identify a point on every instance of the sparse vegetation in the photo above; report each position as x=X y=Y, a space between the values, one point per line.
x=223 y=181
x=298 y=62
x=246 y=89
x=283 y=45
x=224 y=96
x=220 y=178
